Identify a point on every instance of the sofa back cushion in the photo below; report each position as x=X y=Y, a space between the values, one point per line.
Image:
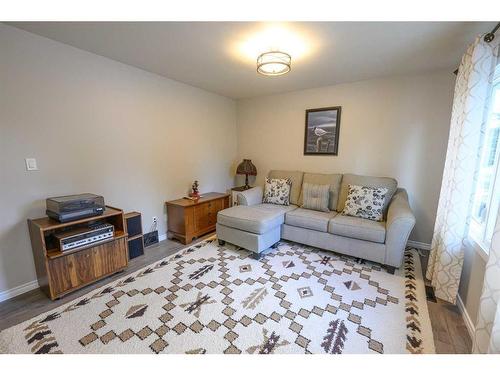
x=351 y=179
x=296 y=179
x=333 y=180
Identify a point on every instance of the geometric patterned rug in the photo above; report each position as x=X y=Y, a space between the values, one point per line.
x=216 y=299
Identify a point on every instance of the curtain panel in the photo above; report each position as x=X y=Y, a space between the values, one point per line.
x=487 y=332
x=469 y=111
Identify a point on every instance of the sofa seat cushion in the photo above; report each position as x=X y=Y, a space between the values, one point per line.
x=257 y=219
x=276 y=208
x=309 y=219
x=355 y=227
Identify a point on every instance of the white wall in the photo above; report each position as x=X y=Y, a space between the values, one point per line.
x=471 y=280
x=96 y=125
x=395 y=127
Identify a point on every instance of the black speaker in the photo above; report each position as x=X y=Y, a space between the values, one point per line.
x=134 y=224
x=135 y=248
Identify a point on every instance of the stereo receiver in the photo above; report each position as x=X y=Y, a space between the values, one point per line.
x=84 y=236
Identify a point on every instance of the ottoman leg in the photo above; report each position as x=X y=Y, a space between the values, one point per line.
x=274 y=246
x=222 y=242
x=256 y=256
x=390 y=269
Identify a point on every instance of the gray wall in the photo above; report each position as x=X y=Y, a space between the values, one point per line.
x=96 y=125
x=394 y=127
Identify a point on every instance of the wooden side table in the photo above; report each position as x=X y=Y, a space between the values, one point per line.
x=187 y=219
x=234 y=194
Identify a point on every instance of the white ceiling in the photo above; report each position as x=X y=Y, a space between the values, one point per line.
x=208 y=54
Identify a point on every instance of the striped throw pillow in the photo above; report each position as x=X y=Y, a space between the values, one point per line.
x=315 y=197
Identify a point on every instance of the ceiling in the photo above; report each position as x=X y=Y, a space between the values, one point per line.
x=221 y=56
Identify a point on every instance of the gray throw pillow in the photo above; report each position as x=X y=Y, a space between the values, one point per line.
x=315 y=197
x=277 y=191
x=365 y=202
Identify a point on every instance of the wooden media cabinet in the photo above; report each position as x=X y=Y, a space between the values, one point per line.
x=61 y=272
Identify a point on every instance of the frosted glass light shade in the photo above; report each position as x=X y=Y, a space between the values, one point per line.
x=274 y=63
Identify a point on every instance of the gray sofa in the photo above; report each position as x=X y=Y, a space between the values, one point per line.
x=256 y=226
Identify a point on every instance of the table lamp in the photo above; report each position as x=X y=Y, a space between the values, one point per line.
x=248 y=169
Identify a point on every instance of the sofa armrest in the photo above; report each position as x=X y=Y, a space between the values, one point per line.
x=400 y=222
x=250 y=197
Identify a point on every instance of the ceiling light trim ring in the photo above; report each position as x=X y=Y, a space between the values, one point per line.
x=274 y=57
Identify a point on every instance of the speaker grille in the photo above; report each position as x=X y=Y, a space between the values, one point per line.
x=135 y=248
x=134 y=226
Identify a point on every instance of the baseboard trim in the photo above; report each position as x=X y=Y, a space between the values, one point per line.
x=11 y=293
x=419 y=245
x=466 y=317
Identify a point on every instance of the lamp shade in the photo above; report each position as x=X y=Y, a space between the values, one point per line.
x=246 y=167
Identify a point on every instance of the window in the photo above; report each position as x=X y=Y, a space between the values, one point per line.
x=487 y=193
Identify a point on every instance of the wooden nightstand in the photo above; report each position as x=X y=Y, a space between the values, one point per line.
x=187 y=219
x=234 y=194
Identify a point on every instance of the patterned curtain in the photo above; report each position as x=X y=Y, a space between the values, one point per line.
x=472 y=90
x=487 y=334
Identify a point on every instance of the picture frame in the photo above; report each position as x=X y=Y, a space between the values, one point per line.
x=322 y=130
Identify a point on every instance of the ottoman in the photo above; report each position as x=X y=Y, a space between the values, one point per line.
x=254 y=228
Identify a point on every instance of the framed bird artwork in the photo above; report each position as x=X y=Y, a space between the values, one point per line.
x=322 y=131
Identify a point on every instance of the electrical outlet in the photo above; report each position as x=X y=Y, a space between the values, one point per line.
x=155 y=220
x=31 y=164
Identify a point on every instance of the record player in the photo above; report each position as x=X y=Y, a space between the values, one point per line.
x=74 y=207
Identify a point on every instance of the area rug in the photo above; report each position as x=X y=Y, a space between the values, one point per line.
x=216 y=299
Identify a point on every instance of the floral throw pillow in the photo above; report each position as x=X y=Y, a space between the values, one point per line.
x=277 y=191
x=365 y=202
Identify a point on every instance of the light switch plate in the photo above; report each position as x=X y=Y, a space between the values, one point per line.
x=31 y=164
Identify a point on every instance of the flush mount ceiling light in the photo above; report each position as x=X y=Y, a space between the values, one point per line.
x=274 y=63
